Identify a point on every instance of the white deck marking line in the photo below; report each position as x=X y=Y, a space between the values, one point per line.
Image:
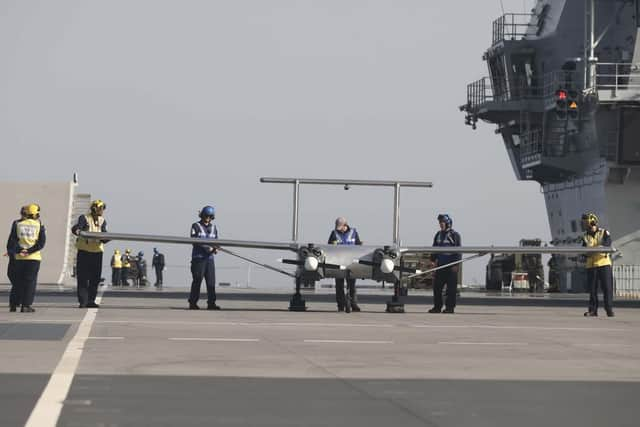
x=185 y=322
x=44 y=321
x=47 y=410
x=541 y=328
x=347 y=342
x=105 y=338
x=481 y=343
x=603 y=344
x=217 y=339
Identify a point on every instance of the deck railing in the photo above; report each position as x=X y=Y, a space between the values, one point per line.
x=627 y=281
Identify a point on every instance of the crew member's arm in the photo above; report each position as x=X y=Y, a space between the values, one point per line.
x=457 y=241
x=12 y=241
x=103 y=229
x=81 y=225
x=42 y=239
x=606 y=238
x=333 y=239
x=358 y=241
x=215 y=234
x=434 y=257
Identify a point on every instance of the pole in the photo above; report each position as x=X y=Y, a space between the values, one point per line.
x=396 y=213
x=296 y=209
x=592 y=44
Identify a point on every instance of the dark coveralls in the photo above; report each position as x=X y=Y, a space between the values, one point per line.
x=88 y=264
x=349 y=237
x=202 y=263
x=158 y=265
x=116 y=271
x=126 y=265
x=446 y=276
x=23 y=274
x=599 y=272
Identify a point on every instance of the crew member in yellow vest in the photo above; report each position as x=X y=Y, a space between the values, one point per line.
x=116 y=267
x=126 y=265
x=598 y=265
x=90 y=251
x=26 y=240
x=11 y=268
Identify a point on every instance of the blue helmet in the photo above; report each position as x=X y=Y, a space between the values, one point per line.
x=208 y=211
x=446 y=219
x=140 y=254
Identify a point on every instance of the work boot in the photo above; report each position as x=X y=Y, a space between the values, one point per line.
x=340 y=308
x=448 y=310
x=590 y=314
x=193 y=306
x=355 y=307
x=82 y=305
x=213 y=306
x=27 y=309
x=93 y=305
x=435 y=310
x=12 y=308
x=610 y=313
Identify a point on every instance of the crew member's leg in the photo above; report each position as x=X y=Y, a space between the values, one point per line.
x=197 y=272
x=452 y=288
x=117 y=277
x=19 y=280
x=158 y=275
x=605 y=277
x=94 y=279
x=124 y=276
x=82 y=276
x=592 y=283
x=438 y=283
x=210 y=279
x=340 y=299
x=11 y=275
x=351 y=284
x=30 y=272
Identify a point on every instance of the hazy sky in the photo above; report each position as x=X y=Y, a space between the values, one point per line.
x=164 y=106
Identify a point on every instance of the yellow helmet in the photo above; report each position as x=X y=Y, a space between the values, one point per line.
x=32 y=211
x=97 y=204
x=590 y=218
x=128 y=251
x=117 y=251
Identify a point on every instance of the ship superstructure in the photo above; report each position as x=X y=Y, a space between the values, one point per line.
x=564 y=91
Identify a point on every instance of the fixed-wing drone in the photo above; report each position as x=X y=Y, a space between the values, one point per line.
x=319 y=261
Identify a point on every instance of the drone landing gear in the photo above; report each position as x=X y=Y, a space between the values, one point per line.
x=297 y=303
x=395 y=305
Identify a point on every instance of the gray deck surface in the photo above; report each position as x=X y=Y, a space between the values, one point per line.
x=149 y=361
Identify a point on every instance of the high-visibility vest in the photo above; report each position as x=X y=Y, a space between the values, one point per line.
x=91 y=245
x=116 y=261
x=28 y=231
x=126 y=261
x=596 y=260
x=346 y=238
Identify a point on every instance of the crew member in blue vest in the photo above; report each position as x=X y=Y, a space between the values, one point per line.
x=26 y=240
x=342 y=234
x=202 y=262
x=447 y=236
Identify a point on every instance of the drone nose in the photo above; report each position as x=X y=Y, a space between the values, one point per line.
x=387 y=265
x=311 y=263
